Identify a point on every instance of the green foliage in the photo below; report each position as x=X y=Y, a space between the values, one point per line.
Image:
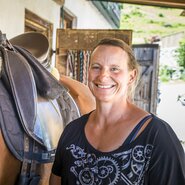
x=120 y=5
x=127 y=16
x=167 y=25
x=167 y=73
x=161 y=15
x=183 y=76
x=181 y=54
x=148 y=21
x=164 y=73
x=136 y=12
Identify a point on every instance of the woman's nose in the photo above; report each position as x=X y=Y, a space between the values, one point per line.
x=104 y=73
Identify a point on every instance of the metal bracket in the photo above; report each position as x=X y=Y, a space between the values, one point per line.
x=2 y=38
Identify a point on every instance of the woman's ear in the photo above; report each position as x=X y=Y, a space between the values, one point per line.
x=132 y=76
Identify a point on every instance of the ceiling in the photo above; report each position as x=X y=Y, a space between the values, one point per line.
x=162 y=3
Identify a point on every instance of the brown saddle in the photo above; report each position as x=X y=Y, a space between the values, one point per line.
x=33 y=89
x=34 y=106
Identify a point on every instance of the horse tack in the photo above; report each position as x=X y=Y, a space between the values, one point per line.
x=24 y=98
x=20 y=95
x=15 y=135
x=1 y=62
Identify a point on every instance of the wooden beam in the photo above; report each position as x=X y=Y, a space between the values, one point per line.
x=162 y=3
x=60 y=2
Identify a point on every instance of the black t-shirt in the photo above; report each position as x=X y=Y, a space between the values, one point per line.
x=155 y=157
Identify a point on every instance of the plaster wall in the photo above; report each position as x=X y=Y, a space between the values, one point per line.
x=12 y=15
x=87 y=15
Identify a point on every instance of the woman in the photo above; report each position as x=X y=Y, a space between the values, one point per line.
x=117 y=143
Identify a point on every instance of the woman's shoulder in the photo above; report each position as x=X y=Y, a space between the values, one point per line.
x=162 y=133
x=160 y=125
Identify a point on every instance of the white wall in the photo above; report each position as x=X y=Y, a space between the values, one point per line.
x=12 y=15
x=88 y=16
x=13 y=12
x=172 y=40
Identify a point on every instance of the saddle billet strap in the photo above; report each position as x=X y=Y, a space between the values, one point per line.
x=30 y=170
x=35 y=152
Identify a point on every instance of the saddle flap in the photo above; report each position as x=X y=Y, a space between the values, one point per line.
x=46 y=84
x=22 y=86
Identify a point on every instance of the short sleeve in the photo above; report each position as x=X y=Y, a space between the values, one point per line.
x=167 y=166
x=56 y=168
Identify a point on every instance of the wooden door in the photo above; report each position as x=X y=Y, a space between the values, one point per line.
x=146 y=95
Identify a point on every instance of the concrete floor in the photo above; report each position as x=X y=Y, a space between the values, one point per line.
x=172 y=110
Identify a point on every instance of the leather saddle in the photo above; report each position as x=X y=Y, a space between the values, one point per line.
x=34 y=106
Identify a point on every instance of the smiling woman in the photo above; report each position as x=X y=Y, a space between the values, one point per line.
x=117 y=143
x=116 y=67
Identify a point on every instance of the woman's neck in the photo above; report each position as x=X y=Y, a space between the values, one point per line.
x=110 y=113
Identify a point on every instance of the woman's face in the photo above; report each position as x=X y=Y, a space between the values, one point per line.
x=109 y=76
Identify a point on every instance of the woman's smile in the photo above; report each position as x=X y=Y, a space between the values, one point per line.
x=104 y=86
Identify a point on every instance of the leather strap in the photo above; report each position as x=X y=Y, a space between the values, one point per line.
x=1 y=63
x=135 y=131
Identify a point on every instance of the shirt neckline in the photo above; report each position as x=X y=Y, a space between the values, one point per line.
x=121 y=147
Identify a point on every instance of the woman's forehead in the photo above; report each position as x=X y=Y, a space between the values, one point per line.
x=107 y=47
x=108 y=52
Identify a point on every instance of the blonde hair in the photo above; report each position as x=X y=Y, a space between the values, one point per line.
x=132 y=62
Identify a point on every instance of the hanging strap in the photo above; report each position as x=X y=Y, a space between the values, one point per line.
x=81 y=66
x=137 y=128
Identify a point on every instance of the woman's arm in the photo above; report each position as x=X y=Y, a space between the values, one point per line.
x=54 y=180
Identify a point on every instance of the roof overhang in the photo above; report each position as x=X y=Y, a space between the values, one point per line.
x=60 y=2
x=162 y=3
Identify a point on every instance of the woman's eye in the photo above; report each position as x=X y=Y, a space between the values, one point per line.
x=95 y=67
x=114 y=69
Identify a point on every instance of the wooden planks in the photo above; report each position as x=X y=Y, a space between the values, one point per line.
x=82 y=39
